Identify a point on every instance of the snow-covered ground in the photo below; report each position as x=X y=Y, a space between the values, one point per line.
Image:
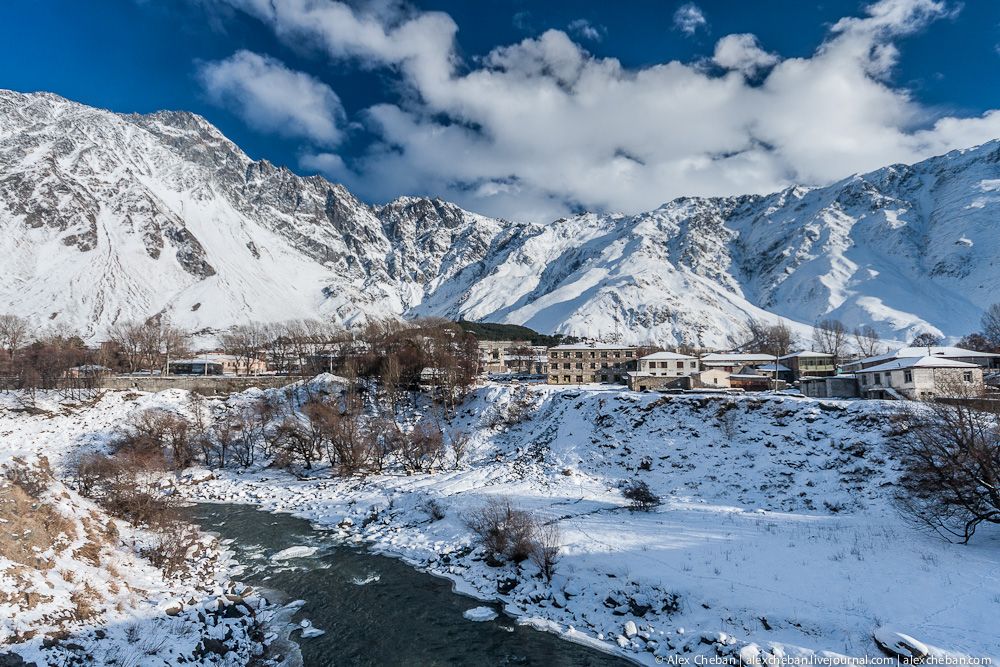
x=74 y=586
x=776 y=534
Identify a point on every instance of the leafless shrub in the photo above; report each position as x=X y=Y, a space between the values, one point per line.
x=422 y=447
x=171 y=550
x=124 y=487
x=434 y=510
x=545 y=549
x=504 y=531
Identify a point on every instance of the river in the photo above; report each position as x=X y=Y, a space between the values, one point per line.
x=376 y=610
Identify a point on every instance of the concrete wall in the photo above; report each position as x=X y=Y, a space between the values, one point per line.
x=202 y=384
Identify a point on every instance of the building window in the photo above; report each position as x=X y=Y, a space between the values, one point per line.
x=967 y=376
x=579 y=378
x=579 y=355
x=907 y=376
x=878 y=378
x=693 y=364
x=864 y=380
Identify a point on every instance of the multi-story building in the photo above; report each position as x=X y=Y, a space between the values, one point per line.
x=590 y=362
x=512 y=356
x=920 y=378
x=809 y=364
x=660 y=370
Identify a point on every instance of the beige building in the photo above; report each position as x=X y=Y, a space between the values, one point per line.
x=590 y=362
x=920 y=378
x=233 y=365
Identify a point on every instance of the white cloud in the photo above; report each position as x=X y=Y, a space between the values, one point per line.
x=272 y=98
x=541 y=127
x=584 y=29
x=743 y=54
x=689 y=18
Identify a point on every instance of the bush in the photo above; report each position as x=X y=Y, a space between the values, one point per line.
x=641 y=497
x=508 y=533
x=124 y=487
x=504 y=531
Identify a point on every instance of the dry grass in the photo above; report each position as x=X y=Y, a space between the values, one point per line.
x=29 y=527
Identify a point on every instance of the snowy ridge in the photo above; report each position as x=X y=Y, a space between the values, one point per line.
x=106 y=216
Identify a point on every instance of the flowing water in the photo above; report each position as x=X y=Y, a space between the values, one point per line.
x=376 y=610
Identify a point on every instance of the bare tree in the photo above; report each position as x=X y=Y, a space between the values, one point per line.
x=774 y=339
x=129 y=338
x=950 y=454
x=245 y=342
x=991 y=324
x=830 y=337
x=866 y=339
x=14 y=332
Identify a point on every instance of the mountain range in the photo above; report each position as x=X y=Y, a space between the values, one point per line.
x=107 y=217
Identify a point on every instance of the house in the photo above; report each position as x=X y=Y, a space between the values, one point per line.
x=920 y=378
x=660 y=370
x=713 y=378
x=233 y=365
x=809 y=363
x=732 y=362
x=748 y=380
x=771 y=370
x=986 y=360
x=582 y=363
x=830 y=386
x=194 y=367
x=88 y=371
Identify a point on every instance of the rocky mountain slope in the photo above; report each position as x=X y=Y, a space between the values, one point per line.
x=106 y=217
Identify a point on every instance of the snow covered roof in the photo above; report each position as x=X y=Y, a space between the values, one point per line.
x=807 y=353
x=665 y=356
x=200 y=360
x=719 y=357
x=918 y=362
x=592 y=346
x=770 y=367
x=932 y=351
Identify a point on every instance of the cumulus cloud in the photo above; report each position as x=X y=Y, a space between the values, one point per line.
x=584 y=29
x=689 y=18
x=273 y=98
x=540 y=128
x=743 y=54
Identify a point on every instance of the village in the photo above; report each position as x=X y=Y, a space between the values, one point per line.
x=430 y=353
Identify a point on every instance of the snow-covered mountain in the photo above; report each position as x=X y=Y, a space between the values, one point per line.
x=106 y=216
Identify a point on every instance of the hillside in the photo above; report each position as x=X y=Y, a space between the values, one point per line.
x=777 y=532
x=105 y=217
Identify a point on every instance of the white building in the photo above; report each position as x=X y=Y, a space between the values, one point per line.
x=985 y=360
x=920 y=378
x=668 y=364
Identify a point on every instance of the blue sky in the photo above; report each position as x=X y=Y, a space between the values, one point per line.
x=531 y=110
